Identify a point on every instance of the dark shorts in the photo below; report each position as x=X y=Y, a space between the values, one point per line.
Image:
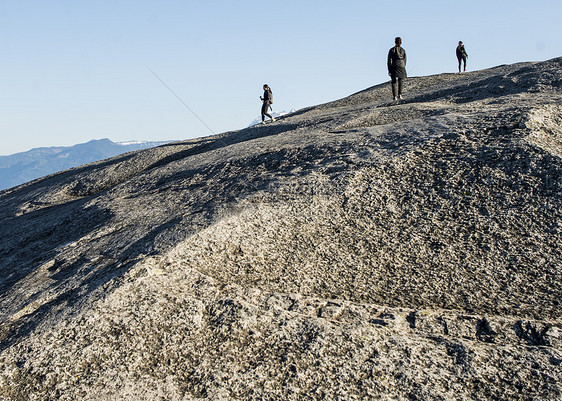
x=394 y=78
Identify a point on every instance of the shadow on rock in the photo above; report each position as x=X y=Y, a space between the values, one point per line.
x=75 y=282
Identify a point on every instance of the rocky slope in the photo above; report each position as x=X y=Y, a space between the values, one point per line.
x=360 y=249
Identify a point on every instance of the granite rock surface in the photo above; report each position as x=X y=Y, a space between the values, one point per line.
x=359 y=249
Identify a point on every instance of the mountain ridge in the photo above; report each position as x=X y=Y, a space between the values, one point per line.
x=362 y=248
x=26 y=166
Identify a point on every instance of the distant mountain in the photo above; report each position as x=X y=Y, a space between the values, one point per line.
x=22 y=167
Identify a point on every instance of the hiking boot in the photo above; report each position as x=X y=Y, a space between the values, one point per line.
x=400 y=97
x=272 y=119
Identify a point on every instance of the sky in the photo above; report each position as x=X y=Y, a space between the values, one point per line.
x=77 y=70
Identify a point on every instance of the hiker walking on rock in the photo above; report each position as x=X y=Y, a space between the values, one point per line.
x=267 y=100
x=397 y=67
x=461 y=55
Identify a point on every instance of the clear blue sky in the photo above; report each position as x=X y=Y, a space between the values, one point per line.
x=76 y=70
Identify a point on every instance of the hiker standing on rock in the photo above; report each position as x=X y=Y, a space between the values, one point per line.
x=267 y=100
x=397 y=67
x=461 y=55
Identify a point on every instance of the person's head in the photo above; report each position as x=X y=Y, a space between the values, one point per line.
x=460 y=42
x=398 y=41
x=265 y=87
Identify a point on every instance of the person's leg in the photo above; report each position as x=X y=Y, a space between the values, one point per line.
x=459 y=64
x=393 y=79
x=400 y=80
x=263 y=112
x=464 y=60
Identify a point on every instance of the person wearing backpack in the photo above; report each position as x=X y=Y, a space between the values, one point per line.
x=396 y=63
x=461 y=55
x=267 y=100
